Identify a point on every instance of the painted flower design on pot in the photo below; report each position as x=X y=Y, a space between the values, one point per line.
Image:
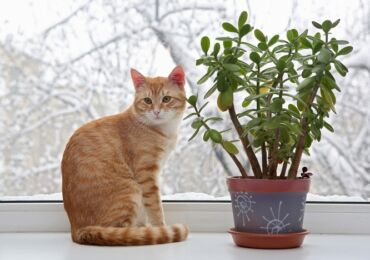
x=244 y=205
x=275 y=225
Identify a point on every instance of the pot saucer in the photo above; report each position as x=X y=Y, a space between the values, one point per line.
x=268 y=241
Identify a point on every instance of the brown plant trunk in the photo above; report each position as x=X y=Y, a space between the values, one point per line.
x=292 y=174
x=273 y=163
x=283 y=170
x=247 y=146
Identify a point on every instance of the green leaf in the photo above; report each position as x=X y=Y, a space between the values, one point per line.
x=221 y=84
x=246 y=103
x=225 y=100
x=252 y=47
x=204 y=78
x=290 y=35
x=345 y=50
x=242 y=19
x=227 y=44
x=335 y=23
x=325 y=94
x=317 y=46
x=230 y=147
x=306 y=43
x=318 y=69
x=341 y=42
x=259 y=35
x=209 y=73
x=293 y=108
x=190 y=115
x=301 y=105
x=214 y=118
x=206 y=136
x=315 y=131
x=245 y=30
x=273 y=40
x=258 y=142
x=255 y=57
x=306 y=83
x=199 y=61
x=210 y=91
x=329 y=83
x=197 y=123
x=263 y=46
x=281 y=64
x=205 y=43
x=284 y=135
x=308 y=141
x=277 y=105
x=216 y=49
x=192 y=100
x=194 y=135
x=334 y=45
x=342 y=70
x=202 y=107
x=317 y=36
x=326 y=26
x=324 y=56
x=215 y=136
x=306 y=73
x=229 y=27
x=272 y=123
x=317 y=25
x=328 y=126
x=226 y=39
x=231 y=67
x=226 y=130
x=254 y=122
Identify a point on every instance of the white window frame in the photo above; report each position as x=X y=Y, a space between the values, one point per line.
x=327 y=218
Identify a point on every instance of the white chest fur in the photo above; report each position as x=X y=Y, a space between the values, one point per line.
x=170 y=129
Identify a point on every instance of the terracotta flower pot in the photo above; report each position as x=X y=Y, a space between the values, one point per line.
x=268 y=213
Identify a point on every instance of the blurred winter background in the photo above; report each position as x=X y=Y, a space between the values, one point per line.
x=64 y=63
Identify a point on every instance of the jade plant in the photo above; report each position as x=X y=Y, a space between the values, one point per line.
x=278 y=93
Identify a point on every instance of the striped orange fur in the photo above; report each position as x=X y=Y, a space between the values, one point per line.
x=110 y=168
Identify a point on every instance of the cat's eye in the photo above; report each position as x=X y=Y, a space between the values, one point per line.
x=166 y=99
x=147 y=100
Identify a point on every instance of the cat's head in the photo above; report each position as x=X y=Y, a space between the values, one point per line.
x=161 y=99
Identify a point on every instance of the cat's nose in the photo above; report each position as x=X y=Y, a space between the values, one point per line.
x=156 y=112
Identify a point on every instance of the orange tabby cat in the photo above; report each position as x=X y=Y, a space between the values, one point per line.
x=110 y=168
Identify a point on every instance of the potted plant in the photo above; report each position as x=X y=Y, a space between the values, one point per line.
x=278 y=94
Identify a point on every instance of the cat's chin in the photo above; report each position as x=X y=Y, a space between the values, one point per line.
x=155 y=121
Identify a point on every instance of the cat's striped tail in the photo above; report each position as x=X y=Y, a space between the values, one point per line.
x=122 y=236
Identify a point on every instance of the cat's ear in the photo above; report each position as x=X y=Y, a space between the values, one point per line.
x=137 y=78
x=177 y=76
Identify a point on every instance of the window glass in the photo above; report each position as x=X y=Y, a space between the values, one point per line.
x=64 y=63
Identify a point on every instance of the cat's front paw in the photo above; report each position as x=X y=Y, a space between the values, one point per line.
x=158 y=223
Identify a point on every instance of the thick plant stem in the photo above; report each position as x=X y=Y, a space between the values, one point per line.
x=283 y=170
x=267 y=173
x=263 y=146
x=274 y=159
x=239 y=165
x=247 y=146
x=264 y=159
x=302 y=137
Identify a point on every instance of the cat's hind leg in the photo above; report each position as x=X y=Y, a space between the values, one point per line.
x=123 y=209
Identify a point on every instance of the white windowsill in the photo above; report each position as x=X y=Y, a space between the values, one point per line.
x=216 y=246
x=40 y=231
x=200 y=216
